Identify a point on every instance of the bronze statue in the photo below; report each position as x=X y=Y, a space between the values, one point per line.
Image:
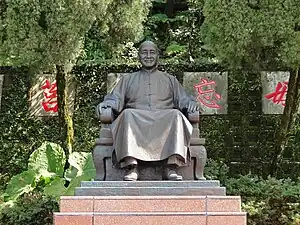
x=150 y=125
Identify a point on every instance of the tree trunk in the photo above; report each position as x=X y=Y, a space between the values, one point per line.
x=287 y=119
x=170 y=8
x=296 y=101
x=64 y=115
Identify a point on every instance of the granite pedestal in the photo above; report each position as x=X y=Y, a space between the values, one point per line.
x=150 y=202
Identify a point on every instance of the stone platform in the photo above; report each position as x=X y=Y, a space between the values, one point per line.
x=150 y=188
x=150 y=203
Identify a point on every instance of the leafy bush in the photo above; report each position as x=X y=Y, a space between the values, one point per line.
x=31 y=196
x=30 y=209
x=215 y=170
x=46 y=173
x=267 y=202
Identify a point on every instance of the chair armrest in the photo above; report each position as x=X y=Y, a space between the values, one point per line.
x=107 y=115
x=194 y=117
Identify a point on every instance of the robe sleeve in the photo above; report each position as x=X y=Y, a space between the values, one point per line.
x=181 y=97
x=116 y=98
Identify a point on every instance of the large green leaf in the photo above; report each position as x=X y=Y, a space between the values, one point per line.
x=48 y=159
x=56 y=187
x=81 y=164
x=81 y=169
x=20 y=184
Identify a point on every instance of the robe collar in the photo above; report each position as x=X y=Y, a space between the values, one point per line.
x=153 y=70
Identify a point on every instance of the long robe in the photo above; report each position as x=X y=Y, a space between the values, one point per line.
x=150 y=126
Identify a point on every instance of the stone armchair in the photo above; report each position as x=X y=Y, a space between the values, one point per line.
x=108 y=169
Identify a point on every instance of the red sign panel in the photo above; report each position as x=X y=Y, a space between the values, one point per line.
x=50 y=96
x=207 y=94
x=278 y=96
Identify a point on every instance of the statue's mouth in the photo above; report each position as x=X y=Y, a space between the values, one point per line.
x=148 y=60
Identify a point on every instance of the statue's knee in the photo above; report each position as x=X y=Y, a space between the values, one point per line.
x=127 y=111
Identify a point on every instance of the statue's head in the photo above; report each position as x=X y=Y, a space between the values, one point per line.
x=148 y=54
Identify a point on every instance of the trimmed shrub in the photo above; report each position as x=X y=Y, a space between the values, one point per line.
x=30 y=209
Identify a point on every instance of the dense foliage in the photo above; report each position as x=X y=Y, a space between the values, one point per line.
x=32 y=196
x=267 y=202
x=244 y=136
x=37 y=33
x=20 y=134
x=113 y=36
x=32 y=209
x=42 y=33
x=253 y=34
x=46 y=173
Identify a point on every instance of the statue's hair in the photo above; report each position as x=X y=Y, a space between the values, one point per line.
x=148 y=43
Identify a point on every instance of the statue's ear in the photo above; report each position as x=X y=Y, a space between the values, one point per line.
x=138 y=57
x=158 y=57
x=159 y=54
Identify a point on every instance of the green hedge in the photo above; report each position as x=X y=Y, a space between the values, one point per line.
x=31 y=209
x=20 y=134
x=267 y=201
x=244 y=135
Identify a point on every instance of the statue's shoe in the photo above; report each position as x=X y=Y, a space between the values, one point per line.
x=172 y=175
x=131 y=175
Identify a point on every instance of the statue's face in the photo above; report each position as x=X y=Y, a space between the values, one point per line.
x=148 y=56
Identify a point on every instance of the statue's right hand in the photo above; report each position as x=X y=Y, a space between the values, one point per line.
x=100 y=107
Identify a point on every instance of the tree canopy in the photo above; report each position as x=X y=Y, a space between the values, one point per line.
x=253 y=33
x=114 y=34
x=40 y=33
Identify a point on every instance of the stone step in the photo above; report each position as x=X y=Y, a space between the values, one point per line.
x=150 y=204
x=150 y=218
x=206 y=183
x=150 y=191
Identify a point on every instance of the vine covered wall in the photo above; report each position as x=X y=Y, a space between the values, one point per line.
x=243 y=138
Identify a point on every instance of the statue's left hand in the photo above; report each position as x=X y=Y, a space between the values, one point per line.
x=193 y=106
x=100 y=108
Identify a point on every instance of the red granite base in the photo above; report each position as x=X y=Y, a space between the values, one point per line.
x=148 y=210
x=74 y=218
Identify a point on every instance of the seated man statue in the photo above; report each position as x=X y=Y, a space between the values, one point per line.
x=150 y=125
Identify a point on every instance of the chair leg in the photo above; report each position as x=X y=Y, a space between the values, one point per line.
x=199 y=152
x=101 y=152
